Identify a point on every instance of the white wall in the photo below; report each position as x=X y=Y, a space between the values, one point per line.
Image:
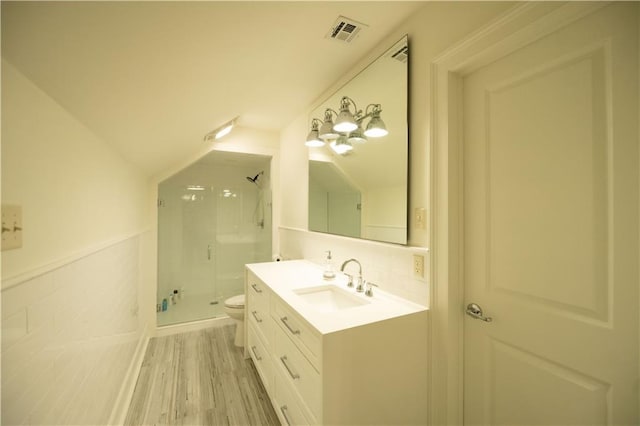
x=71 y=318
x=432 y=30
x=75 y=191
x=70 y=338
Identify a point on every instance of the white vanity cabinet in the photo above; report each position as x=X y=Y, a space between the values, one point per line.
x=298 y=365
x=259 y=328
x=372 y=373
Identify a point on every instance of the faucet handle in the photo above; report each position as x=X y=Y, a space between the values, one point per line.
x=369 y=291
x=350 y=282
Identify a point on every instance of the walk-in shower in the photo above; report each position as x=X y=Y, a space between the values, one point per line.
x=211 y=222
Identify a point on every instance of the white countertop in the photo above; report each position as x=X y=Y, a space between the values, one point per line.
x=285 y=277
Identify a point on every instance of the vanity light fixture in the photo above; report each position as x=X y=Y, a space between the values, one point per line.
x=376 y=127
x=346 y=122
x=357 y=136
x=221 y=131
x=341 y=145
x=313 y=140
x=347 y=128
x=327 y=129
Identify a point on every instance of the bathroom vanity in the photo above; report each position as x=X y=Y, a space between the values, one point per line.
x=329 y=355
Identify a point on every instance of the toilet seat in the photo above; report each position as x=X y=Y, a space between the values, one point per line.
x=235 y=302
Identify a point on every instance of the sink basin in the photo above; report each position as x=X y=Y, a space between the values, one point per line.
x=329 y=298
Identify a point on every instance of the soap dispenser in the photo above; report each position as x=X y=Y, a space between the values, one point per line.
x=328 y=273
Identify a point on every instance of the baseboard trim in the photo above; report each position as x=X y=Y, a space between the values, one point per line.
x=121 y=406
x=169 y=330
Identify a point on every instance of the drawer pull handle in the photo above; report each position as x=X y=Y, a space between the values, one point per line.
x=255 y=288
x=286 y=365
x=286 y=323
x=284 y=410
x=254 y=313
x=255 y=353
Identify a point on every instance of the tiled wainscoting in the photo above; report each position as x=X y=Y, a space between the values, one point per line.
x=390 y=266
x=71 y=337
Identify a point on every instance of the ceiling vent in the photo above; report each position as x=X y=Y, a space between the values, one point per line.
x=345 y=29
x=399 y=53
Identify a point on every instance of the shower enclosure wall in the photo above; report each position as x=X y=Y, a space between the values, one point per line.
x=212 y=220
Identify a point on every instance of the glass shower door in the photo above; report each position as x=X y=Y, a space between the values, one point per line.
x=213 y=218
x=186 y=254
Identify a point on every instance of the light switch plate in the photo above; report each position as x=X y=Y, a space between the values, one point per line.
x=11 y=227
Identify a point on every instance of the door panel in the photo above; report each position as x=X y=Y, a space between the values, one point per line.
x=551 y=228
x=520 y=375
x=538 y=154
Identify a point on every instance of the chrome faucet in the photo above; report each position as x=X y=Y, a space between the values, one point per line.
x=360 y=287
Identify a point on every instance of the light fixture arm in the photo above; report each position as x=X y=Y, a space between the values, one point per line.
x=370 y=111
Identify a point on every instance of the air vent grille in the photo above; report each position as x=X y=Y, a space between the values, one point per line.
x=401 y=55
x=345 y=29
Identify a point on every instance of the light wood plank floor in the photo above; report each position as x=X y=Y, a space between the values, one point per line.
x=199 y=378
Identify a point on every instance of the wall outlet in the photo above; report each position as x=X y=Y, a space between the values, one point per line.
x=421 y=218
x=418 y=266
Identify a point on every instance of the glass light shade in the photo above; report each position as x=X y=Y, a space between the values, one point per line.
x=326 y=130
x=313 y=140
x=341 y=146
x=224 y=131
x=345 y=122
x=376 y=128
x=357 y=136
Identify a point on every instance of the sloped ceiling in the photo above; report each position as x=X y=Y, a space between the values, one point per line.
x=152 y=78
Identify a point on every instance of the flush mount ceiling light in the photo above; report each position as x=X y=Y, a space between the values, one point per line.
x=221 y=131
x=348 y=124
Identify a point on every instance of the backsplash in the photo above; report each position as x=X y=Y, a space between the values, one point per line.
x=387 y=265
x=69 y=337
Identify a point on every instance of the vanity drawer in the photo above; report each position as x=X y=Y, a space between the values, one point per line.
x=298 y=371
x=257 y=307
x=261 y=358
x=262 y=321
x=257 y=293
x=290 y=409
x=305 y=337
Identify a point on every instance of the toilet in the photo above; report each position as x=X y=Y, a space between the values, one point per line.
x=234 y=307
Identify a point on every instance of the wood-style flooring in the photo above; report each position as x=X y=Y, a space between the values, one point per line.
x=199 y=378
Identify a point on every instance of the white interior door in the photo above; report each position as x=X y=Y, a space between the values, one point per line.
x=551 y=228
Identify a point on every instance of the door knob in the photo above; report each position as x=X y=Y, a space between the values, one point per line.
x=474 y=310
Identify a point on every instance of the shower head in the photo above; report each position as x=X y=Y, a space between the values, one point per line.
x=255 y=178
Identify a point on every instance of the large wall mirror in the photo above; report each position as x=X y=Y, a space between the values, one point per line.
x=358 y=185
